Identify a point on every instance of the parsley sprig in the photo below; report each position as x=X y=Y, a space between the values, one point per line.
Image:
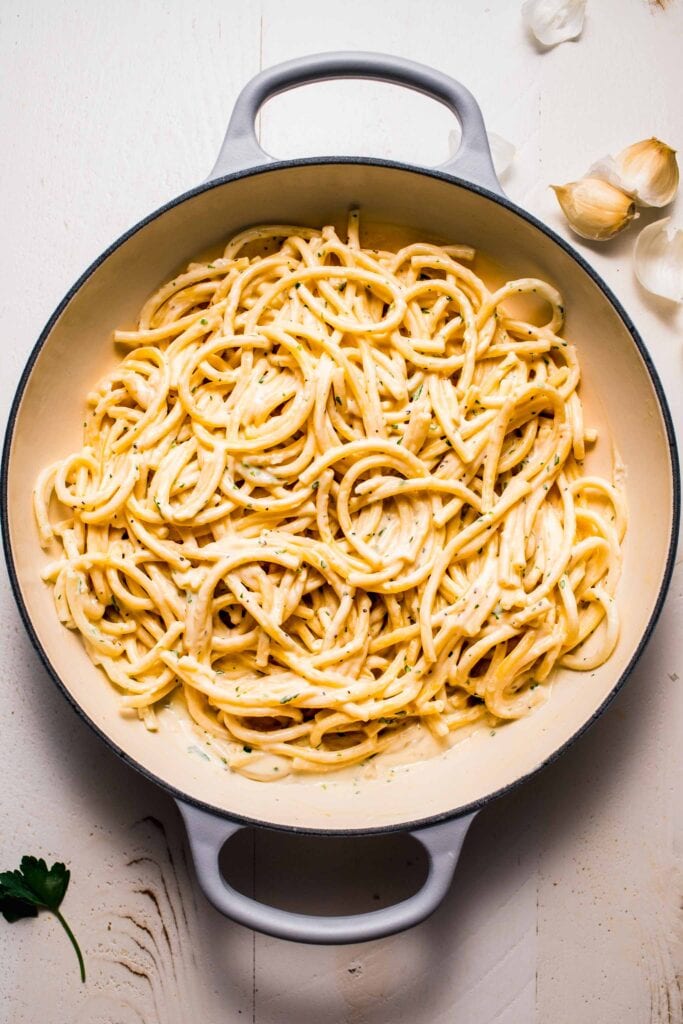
x=36 y=887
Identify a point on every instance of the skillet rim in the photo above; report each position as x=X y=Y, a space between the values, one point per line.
x=453 y=813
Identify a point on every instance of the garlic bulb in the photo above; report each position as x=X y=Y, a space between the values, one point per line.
x=554 y=21
x=658 y=259
x=647 y=170
x=594 y=208
x=502 y=151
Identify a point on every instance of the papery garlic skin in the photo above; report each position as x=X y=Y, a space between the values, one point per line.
x=647 y=170
x=658 y=259
x=502 y=151
x=554 y=21
x=594 y=208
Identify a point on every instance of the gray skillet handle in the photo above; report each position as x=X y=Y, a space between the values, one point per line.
x=241 y=149
x=208 y=833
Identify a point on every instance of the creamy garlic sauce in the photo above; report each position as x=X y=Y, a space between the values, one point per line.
x=415 y=743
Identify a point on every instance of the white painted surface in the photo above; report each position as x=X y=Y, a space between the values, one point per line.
x=566 y=905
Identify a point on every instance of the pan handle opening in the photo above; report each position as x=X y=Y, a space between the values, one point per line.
x=241 y=149
x=208 y=833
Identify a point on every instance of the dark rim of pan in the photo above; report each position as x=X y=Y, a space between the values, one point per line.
x=417 y=823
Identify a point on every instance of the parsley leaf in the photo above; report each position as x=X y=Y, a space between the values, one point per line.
x=36 y=887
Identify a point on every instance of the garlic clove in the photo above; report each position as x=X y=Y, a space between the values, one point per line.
x=658 y=259
x=594 y=208
x=554 y=21
x=502 y=151
x=647 y=170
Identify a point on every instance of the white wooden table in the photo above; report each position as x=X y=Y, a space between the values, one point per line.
x=566 y=904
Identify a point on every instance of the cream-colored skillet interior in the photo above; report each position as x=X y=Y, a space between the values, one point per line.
x=616 y=390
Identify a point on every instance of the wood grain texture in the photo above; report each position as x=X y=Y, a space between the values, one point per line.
x=567 y=903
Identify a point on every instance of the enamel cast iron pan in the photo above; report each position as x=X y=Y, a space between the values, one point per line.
x=461 y=201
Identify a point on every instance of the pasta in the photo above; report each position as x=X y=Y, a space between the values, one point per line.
x=333 y=492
